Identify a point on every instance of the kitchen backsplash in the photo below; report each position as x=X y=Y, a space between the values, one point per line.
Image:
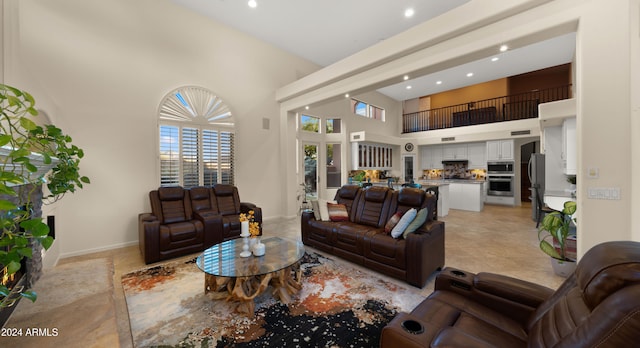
x=454 y=172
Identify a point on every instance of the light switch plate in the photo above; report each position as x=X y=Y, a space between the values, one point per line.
x=593 y=173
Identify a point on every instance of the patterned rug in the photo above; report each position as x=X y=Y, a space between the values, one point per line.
x=338 y=306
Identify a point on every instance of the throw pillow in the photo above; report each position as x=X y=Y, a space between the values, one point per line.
x=337 y=212
x=316 y=210
x=324 y=212
x=421 y=217
x=393 y=221
x=405 y=220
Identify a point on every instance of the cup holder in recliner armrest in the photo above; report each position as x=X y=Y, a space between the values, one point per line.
x=458 y=273
x=412 y=327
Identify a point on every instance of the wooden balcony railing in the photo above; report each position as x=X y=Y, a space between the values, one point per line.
x=508 y=108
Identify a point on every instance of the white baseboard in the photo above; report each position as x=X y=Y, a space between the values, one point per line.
x=99 y=249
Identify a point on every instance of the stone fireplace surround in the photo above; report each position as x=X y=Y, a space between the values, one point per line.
x=33 y=266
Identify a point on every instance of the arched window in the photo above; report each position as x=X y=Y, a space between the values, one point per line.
x=196 y=139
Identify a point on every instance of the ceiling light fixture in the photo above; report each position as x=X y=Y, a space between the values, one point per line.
x=252 y=3
x=503 y=48
x=408 y=87
x=346 y=95
x=438 y=82
x=409 y=12
x=306 y=107
x=470 y=74
x=406 y=77
x=495 y=59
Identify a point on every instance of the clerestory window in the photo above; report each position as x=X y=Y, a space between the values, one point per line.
x=196 y=144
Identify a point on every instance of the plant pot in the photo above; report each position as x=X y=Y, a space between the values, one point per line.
x=563 y=268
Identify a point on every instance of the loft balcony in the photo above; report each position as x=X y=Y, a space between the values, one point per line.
x=501 y=109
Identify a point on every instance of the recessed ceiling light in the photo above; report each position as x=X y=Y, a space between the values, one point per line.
x=406 y=77
x=408 y=87
x=495 y=59
x=306 y=107
x=470 y=74
x=252 y=3
x=346 y=95
x=409 y=12
x=504 y=48
x=438 y=82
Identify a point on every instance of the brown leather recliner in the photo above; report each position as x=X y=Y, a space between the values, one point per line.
x=362 y=239
x=597 y=306
x=171 y=230
x=227 y=202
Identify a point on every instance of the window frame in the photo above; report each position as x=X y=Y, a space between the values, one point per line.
x=195 y=108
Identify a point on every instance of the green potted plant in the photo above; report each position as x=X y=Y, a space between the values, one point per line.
x=30 y=156
x=555 y=230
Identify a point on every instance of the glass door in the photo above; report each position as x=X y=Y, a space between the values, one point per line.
x=310 y=169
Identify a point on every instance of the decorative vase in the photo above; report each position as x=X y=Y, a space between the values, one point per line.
x=244 y=233
x=259 y=248
x=563 y=268
x=244 y=228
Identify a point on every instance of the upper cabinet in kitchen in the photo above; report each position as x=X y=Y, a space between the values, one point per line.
x=500 y=150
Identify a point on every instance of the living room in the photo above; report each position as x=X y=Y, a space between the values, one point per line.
x=103 y=83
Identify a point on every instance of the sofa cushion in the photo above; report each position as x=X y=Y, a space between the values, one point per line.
x=420 y=219
x=406 y=219
x=393 y=221
x=384 y=249
x=316 y=209
x=373 y=207
x=337 y=212
x=324 y=210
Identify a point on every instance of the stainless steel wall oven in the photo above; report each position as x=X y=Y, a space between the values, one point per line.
x=500 y=185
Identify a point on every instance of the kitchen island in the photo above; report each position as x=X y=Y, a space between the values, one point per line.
x=462 y=194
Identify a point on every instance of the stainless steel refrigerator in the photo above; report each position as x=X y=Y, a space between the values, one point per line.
x=536 y=177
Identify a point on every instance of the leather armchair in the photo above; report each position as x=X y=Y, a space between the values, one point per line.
x=227 y=202
x=170 y=229
x=597 y=306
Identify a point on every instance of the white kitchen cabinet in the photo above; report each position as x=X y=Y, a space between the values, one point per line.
x=569 y=153
x=476 y=155
x=454 y=152
x=372 y=156
x=431 y=157
x=500 y=150
x=466 y=196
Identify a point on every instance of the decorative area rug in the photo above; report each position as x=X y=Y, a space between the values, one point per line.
x=338 y=306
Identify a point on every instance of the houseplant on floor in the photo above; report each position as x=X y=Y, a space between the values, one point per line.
x=555 y=229
x=30 y=156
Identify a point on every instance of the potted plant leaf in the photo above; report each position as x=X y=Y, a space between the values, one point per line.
x=31 y=156
x=555 y=230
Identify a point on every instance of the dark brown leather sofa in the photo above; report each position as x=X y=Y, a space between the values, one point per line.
x=597 y=306
x=184 y=221
x=362 y=239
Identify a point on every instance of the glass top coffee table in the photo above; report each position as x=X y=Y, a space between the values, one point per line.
x=229 y=276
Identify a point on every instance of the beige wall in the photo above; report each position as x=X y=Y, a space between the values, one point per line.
x=106 y=65
x=481 y=91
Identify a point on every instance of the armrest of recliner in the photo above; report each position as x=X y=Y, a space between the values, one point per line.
x=406 y=330
x=512 y=297
x=213 y=226
x=516 y=290
x=149 y=237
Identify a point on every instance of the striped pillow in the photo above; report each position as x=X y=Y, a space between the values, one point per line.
x=338 y=212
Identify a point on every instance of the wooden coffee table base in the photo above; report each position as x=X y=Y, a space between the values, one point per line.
x=285 y=283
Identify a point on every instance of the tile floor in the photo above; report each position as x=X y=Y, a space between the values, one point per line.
x=499 y=239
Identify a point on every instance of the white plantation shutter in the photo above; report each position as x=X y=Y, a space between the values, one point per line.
x=226 y=157
x=210 y=156
x=169 y=156
x=196 y=139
